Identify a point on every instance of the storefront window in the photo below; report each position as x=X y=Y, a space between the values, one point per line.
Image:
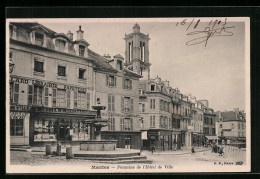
x=79 y=131
x=45 y=130
x=16 y=127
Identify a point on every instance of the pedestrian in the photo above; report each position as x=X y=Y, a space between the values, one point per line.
x=153 y=149
x=192 y=150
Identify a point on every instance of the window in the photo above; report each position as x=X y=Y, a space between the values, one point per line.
x=141 y=107
x=82 y=73
x=75 y=99
x=127 y=84
x=38 y=66
x=152 y=87
x=39 y=39
x=126 y=124
x=61 y=98
x=152 y=121
x=127 y=104
x=61 y=71
x=60 y=44
x=213 y=131
x=35 y=95
x=14 y=92
x=111 y=123
x=232 y=126
x=141 y=92
x=110 y=81
x=16 y=127
x=220 y=126
x=111 y=102
x=238 y=126
x=81 y=50
x=242 y=126
x=152 y=103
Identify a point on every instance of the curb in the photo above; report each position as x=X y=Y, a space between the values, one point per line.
x=179 y=153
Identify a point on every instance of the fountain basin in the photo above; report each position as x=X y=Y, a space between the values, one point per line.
x=98 y=145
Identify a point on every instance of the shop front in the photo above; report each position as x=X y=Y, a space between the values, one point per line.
x=125 y=139
x=59 y=125
x=160 y=139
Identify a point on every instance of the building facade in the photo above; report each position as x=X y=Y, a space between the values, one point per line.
x=231 y=125
x=48 y=100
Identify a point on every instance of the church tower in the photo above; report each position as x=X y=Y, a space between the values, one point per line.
x=137 y=52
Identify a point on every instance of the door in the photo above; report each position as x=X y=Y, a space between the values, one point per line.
x=64 y=132
x=127 y=142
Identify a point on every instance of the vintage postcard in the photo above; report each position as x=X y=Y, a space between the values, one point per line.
x=128 y=95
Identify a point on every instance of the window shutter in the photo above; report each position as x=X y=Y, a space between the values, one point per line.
x=113 y=103
x=131 y=120
x=109 y=123
x=123 y=83
x=122 y=104
x=68 y=98
x=130 y=83
x=54 y=97
x=151 y=105
x=122 y=124
x=132 y=104
x=46 y=96
x=16 y=92
x=107 y=80
x=88 y=100
x=109 y=103
x=114 y=81
x=151 y=121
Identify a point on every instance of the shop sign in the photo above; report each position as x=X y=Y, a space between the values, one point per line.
x=20 y=107
x=119 y=115
x=144 y=135
x=46 y=84
x=17 y=115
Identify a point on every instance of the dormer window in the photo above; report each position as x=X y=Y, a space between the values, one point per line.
x=119 y=65
x=60 y=44
x=39 y=39
x=152 y=87
x=81 y=50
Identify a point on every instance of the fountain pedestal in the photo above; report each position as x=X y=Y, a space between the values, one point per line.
x=96 y=143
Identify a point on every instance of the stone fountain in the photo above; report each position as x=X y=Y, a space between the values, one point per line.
x=96 y=143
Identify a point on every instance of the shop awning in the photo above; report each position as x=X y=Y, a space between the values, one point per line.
x=212 y=137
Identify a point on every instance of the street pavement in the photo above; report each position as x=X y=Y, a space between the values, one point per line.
x=183 y=157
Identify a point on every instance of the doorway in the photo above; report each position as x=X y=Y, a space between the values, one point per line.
x=127 y=142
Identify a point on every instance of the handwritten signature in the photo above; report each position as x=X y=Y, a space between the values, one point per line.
x=209 y=33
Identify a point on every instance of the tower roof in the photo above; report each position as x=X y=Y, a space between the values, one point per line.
x=136 y=26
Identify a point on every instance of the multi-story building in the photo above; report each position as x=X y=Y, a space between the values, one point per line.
x=51 y=85
x=231 y=125
x=185 y=122
x=209 y=125
x=117 y=88
x=197 y=116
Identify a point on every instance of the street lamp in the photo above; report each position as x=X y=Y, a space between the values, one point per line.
x=11 y=65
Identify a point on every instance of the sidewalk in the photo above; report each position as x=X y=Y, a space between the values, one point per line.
x=177 y=152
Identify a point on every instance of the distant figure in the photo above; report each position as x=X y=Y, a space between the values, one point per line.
x=192 y=150
x=153 y=149
x=221 y=151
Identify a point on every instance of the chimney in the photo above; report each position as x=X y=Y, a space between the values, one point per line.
x=80 y=33
x=70 y=35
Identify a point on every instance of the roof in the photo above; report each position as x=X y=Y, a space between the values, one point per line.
x=29 y=25
x=82 y=41
x=229 y=116
x=130 y=73
x=118 y=56
x=62 y=35
x=100 y=62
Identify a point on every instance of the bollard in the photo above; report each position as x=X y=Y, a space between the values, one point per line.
x=48 y=149
x=69 y=152
x=58 y=152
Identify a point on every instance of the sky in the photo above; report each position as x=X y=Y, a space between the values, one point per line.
x=215 y=72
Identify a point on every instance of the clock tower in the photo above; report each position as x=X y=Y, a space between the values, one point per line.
x=137 y=52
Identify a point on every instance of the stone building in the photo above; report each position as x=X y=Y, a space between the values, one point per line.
x=197 y=116
x=231 y=125
x=117 y=88
x=51 y=86
x=209 y=125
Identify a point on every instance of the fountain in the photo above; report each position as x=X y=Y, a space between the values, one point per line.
x=96 y=143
